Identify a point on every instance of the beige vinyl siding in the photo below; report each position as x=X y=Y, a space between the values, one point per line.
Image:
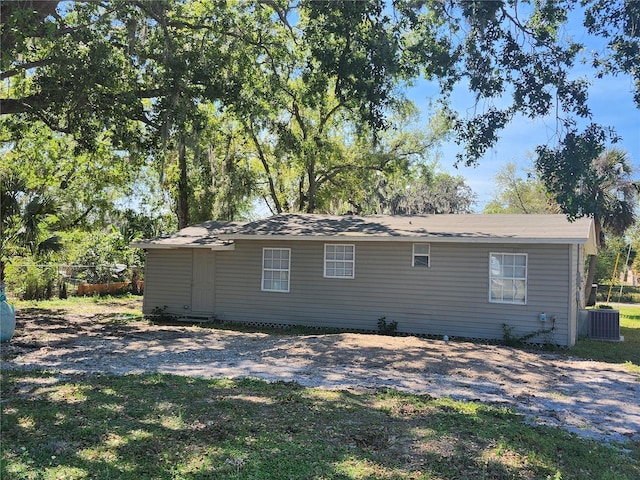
x=450 y=297
x=168 y=280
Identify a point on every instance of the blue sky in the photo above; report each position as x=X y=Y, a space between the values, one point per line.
x=610 y=100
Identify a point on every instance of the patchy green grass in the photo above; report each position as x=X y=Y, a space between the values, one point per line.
x=73 y=303
x=627 y=352
x=169 y=427
x=125 y=306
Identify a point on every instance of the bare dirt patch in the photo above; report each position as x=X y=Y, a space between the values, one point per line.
x=593 y=399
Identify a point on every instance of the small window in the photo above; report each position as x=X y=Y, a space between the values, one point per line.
x=421 y=254
x=276 y=264
x=339 y=261
x=508 y=278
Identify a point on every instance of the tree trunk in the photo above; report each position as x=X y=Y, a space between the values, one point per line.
x=311 y=195
x=267 y=170
x=183 y=187
x=302 y=196
x=591 y=273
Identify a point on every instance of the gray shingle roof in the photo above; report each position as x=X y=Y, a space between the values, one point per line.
x=203 y=235
x=456 y=228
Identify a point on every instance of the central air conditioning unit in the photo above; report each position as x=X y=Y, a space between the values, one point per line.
x=604 y=325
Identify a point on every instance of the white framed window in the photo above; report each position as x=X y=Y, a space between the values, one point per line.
x=276 y=268
x=339 y=260
x=421 y=255
x=508 y=278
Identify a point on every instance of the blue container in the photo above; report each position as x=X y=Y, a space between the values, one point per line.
x=7 y=317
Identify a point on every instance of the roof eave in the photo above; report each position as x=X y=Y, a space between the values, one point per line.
x=407 y=238
x=591 y=245
x=160 y=246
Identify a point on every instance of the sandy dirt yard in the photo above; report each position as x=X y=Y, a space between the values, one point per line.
x=593 y=399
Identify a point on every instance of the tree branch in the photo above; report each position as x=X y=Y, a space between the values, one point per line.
x=75 y=222
x=325 y=119
x=281 y=15
x=265 y=165
x=296 y=114
x=25 y=66
x=32 y=103
x=10 y=106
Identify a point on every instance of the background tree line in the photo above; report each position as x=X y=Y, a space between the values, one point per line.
x=135 y=118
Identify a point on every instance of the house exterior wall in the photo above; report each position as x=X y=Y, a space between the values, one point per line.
x=167 y=278
x=451 y=297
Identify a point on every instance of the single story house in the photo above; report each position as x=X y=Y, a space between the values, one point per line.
x=455 y=275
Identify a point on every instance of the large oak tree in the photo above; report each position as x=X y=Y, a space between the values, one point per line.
x=135 y=73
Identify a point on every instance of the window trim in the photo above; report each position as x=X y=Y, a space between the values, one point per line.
x=288 y=270
x=525 y=278
x=414 y=255
x=352 y=261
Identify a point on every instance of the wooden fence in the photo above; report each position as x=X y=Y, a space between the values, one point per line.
x=109 y=288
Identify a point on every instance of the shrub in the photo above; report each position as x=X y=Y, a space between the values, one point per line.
x=630 y=294
x=31 y=282
x=103 y=250
x=387 y=328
